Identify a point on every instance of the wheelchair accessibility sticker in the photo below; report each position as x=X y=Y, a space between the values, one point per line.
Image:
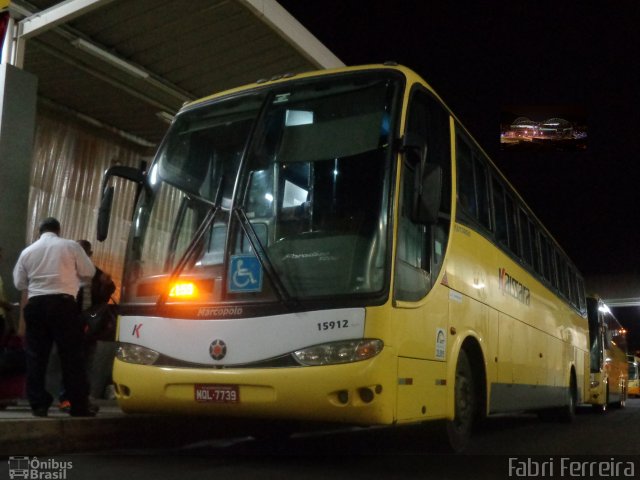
x=245 y=274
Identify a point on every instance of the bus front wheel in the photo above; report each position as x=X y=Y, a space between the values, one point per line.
x=465 y=404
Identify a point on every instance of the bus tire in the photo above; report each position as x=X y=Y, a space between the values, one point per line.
x=622 y=401
x=465 y=404
x=567 y=413
x=602 y=408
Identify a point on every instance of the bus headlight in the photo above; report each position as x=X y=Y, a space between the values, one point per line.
x=127 y=352
x=345 y=351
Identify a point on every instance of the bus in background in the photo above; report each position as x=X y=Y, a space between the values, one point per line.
x=633 y=389
x=608 y=363
x=335 y=246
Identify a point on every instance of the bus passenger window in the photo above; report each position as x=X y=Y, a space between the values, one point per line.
x=527 y=253
x=546 y=257
x=499 y=212
x=535 y=247
x=581 y=297
x=512 y=230
x=473 y=182
x=466 y=185
x=482 y=190
x=573 y=289
x=607 y=333
x=562 y=275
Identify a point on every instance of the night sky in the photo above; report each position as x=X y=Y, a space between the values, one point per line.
x=485 y=57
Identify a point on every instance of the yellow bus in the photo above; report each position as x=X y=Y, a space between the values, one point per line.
x=608 y=362
x=633 y=389
x=335 y=246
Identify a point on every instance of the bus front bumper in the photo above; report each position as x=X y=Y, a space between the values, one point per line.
x=356 y=393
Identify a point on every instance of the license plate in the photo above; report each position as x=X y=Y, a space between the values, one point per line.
x=206 y=393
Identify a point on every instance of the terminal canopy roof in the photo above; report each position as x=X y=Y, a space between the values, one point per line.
x=131 y=64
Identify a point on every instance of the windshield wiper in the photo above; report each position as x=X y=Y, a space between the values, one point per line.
x=241 y=216
x=194 y=245
x=261 y=254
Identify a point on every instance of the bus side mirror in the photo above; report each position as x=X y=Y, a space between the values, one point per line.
x=414 y=143
x=427 y=191
x=427 y=195
x=104 y=214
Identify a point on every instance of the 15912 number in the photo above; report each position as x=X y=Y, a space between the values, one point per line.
x=333 y=324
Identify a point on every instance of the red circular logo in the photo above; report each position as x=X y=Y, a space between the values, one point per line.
x=217 y=349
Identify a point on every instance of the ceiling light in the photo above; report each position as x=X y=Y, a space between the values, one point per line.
x=164 y=116
x=111 y=59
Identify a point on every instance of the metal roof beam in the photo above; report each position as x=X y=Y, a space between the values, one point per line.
x=622 y=302
x=274 y=15
x=37 y=23
x=60 y=13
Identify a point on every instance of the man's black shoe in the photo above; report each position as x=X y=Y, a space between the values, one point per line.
x=40 y=411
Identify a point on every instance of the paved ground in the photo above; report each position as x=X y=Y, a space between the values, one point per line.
x=23 y=434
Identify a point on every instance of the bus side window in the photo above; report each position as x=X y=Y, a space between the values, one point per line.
x=512 y=230
x=473 y=182
x=499 y=212
x=535 y=247
x=573 y=287
x=563 y=284
x=482 y=187
x=607 y=331
x=466 y=184
x=527 y=252
x=581 y=297
x=618 y=336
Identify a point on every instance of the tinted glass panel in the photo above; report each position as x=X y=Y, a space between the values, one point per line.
x=499 y=212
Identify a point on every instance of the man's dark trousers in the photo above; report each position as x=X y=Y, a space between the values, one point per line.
x=49 y=319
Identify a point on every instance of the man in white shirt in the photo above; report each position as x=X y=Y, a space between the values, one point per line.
x=51 y=270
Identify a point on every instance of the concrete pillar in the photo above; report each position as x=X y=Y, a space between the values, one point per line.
x=18 y=96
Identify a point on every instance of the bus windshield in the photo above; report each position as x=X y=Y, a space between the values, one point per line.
x=281 y=193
